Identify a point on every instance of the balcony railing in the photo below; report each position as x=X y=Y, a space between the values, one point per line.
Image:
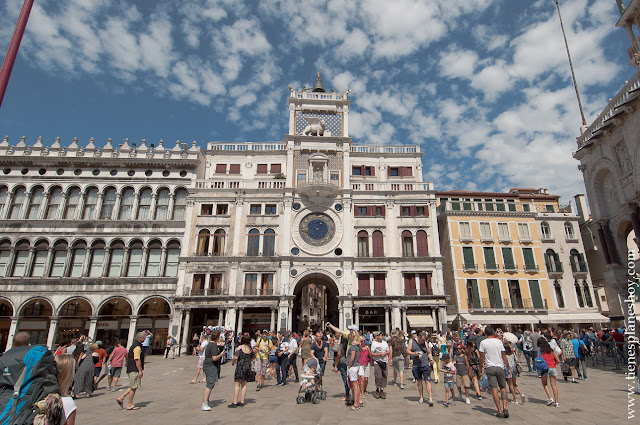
x=530 y=268
x=384 y=149
x=490 y=207
x=507 y=304
x=258 y=291
x=578 y=267
x=554 y=266
x=491 y=267
x=468 y=267
x=510 y=268
x=191 y=292
x=547 y=238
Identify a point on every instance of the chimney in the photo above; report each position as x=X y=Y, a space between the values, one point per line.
x=581 y=206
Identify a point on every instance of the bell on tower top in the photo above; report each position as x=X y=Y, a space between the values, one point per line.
x=318 y=87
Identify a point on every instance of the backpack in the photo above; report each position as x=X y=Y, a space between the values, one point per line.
x=27 y=376
x=435 y=350
x=541 y=364
x=51 y=410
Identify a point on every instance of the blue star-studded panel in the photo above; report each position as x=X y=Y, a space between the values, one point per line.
x=317 y=229
x=332 y=122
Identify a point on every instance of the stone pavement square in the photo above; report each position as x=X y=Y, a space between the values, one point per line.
x=166 y=397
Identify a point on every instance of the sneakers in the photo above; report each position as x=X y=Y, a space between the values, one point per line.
x=523 y=398
x=479 y=397
x=505 y=413
x=402 y=386
x=514 y=402
x=573 y=381
x=108 y=387
x=446 y=404
x=205 y=407
x=467 y=400
x=430 y=403
x=499 y=415
x=453 y=403
x=556 y=404
x=550 y=402
x=232 y=406
x=240 y=404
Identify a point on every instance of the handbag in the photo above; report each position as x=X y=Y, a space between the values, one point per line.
x=484 y=381
x=541 y=364
x=518 y=368
x=252 y=376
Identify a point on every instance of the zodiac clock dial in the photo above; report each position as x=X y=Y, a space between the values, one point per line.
x=317 y=229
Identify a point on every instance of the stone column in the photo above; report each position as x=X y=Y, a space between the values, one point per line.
x=24 y=212
x=93 y=327
x=29 y=265
x=145 y=258
x=133 y=324
x=434 y=316
x=240 y=319
x=387 y=325
x=125 y=262
x=341 y=313
x=230 y=318
x=289 y=319
x=186 y=333
x=12 y=259
x=404 y=320
x=176 y=321
x=98 y=212
x=220 y=317
x=12 y=332
x=48 y=265
x=605 y=245
x=5 y=215
x=41 y=214
x=85 y=262
x=273 y=319
x=115 y=214
x=152 y=209
x=356 y=317
x=635 y=221
x=282 y=317
x=79 y=212
x=395 y=317
x=134 y=207
x=53 y=331
x=170 y=207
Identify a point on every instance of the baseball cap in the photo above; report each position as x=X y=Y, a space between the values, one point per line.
x=413 y=332
x=376 y=333
x=352 y=327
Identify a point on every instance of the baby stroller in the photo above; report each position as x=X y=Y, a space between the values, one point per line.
x=311 y=384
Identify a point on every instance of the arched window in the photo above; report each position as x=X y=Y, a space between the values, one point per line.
x=90 y=204
x=579 y=294
x=16 y=203
x=173 y=257
x=108 y=203
x=269 y=242
x=587 y=294
x=577 y=261
x=4 y=194
x=422 y=244
x=78 y=256
x=96 y=262
x=5 y=254
x=55 y=200
x=407 y=244
x=20 y=259
x=218 y=242
x=203 y=242
x=116 y=258
x=144 y=204
x=546 y=230
x=559 y=296
x=37 y=194
x=568 y=230
x=378 y=243
x=59 y=259
x=154 y=256
x=126 y=204
x=39 y=263
x=135 y=259
x=552 y=261
x=253 y=244
x=363 y=243
x=179 y=204
x=73 y=201
x=162 y=205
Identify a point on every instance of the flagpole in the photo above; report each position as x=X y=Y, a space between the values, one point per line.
x=14 y=45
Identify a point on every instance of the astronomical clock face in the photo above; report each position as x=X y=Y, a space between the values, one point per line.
x=317 y=229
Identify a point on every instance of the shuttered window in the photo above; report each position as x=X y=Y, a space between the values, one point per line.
x=467 y=254
x=425 y=284
x=473 y=296
x=378 y=244
x=234 y=169
x=221 y=168
x=529 y=262
x=262 y=168
x=276 y=168
x=422 y=244
x=507 y=256
x=489 y=258
x=379 y=284
x=364 y=288
x=536 y=297
x=410 y=284
x=495 y=297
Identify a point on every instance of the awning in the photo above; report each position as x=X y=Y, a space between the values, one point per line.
x=420 y=321
x=487 y=319
x=573 y=318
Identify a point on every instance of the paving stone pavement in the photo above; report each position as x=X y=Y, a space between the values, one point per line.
x=166 y=397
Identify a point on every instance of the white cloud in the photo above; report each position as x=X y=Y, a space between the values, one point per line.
x=458 y=63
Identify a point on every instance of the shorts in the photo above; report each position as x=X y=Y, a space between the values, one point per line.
x=552 y=371
x=398 y=363
x=363 y=370
x=497 y=377
x=572 y=362
x=475 y=371
x=353 y=373
x=115 y=371
x=200 y=361
x=463 y=380
x=273 y=358
x=211 y=374
x=135 y=381
x=450 y=385
x=421 y=373
x=262 y=365
x=96 y=371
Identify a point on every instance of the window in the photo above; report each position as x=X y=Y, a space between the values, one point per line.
x=399 y=171
x=425 y=284
x=420 y=211
x=407 y=244
x=266 y=283
x=511 y=205
x=108 y=204
x=215 y=284
x=363 y=170
x=135 y=260
x=467 y=255
x=255 y=209
x=455 y=204
x=500 y=205
x=59 y=259
x=16 y=203
x=173 y=256
x=578 y=265
x=73 y=200
x=221 y=168
x=549 y=208
x=197 y=287
x=206 y=209
x=523 y=232
x=363 y=243
x=526 y=207
x=409 y=284
x=116 y=258
x=154 y=256
x=587 y=295
x=378 y=243
x=478 y=204
x=253 y=244
x=251 y=284
x=489 y=205
x=466 y=205
x=222 y=209
x=465 y=230
x=126 y=204
x=179 y=204
x=405 y=211
x=559 y=296
x=218 y=242
x=162 y=205
x=495 y=297
x=78 y=255
x=90 y=204
x=270 y=209
x=144 y=205
x=568 y=231
x=379 y=210
x=514 y=294
x=529 y=261
x=356 y=171
x=546 y=230
x=503 y=232
x=5 y=253
x=262 y=168
x=37 y=194
x=20 y=259
x=364 y=286
x=361 y=211
x=393 y=171
x=507 y=257
x=579 y=294
x=473 y=296
x=489 y=258
x=422 y=244
x=552 y=261
x=234 y=169
x=269 y=243
x=485 y=231
x=203 y=242
x=536 y=297
x=4 y=193
x=39 y=263
x=379 y=285
x=96 y=261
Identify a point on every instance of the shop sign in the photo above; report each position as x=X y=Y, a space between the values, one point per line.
x=70 y=323
x=257 y=317
x=33 y=325
x=419 y=311
x=370 y=311
x=107 y=325
x=162 y=323
x=144 y=322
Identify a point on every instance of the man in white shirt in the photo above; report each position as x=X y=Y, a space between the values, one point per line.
x=200 y=351
x=380 y=352
x=282 y=365
x=292 y=353
x=493 y=359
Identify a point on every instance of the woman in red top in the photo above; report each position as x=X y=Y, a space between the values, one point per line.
x=549 y=356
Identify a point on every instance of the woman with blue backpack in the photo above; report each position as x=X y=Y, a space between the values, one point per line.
x=546 y=364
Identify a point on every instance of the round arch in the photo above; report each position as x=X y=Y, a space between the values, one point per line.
x=35 y=318
x=154 y=314
x=74 y=317
x=315 y=300
x=7 y=310
x=114 y=315
x=625 y=238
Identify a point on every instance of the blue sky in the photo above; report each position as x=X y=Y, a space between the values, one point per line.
x=483 y=85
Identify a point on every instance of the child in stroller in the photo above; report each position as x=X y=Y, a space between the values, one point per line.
x=311 y=384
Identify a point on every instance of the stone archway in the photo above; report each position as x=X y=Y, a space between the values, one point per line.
x=154 y=315
x=315 y=302
x=35 y=318
x=6 y=312
x=74 y=318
